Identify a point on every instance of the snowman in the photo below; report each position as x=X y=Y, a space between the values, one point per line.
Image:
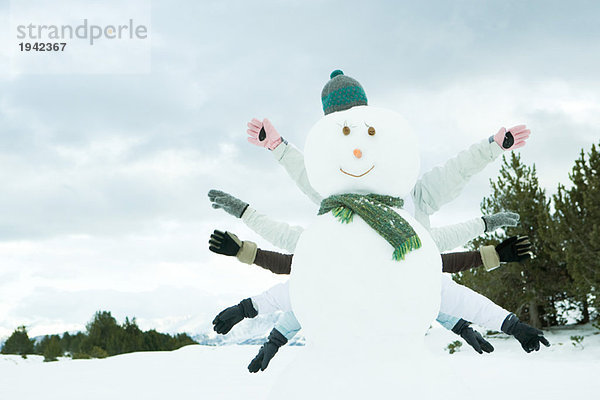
x=363 y=158
x=363 y=263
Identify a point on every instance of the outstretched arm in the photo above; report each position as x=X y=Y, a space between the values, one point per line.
x=263 y=134
x=513 y=249
x=443 y=184
x=470 y=305
x=279 y=234
x=292 y=160
x=275 y=262
x=452 y=236
x=461 y=261
x=277 y=298
x=229 y=244
x=460 y=300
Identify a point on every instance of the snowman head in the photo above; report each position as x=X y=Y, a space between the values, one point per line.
x=362 y=149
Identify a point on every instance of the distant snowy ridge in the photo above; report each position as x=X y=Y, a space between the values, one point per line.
x=248 y=332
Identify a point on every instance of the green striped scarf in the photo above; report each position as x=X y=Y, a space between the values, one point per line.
x=376 y=210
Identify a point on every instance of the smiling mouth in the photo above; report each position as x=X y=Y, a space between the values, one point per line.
x=358 y=176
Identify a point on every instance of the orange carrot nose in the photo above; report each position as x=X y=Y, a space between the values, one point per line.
x=357 y=153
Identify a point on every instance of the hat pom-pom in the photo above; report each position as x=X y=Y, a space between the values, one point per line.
x=336 y=73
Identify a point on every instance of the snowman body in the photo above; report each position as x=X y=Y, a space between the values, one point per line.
x=364 y=314
x=346 y=288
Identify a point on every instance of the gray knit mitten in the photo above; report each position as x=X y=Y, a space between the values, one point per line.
x=227 y=202
x=499 y=220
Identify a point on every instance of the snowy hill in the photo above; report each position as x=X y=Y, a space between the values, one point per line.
x=219 y=372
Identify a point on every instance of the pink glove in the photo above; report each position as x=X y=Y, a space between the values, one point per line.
x=512 y=139
x=263 y=134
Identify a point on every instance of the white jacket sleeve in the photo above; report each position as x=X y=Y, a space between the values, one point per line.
x=469 y=305
x=451 y=236
x=279 y=234
x=293 y=161
x=288 y=325
x=275 y=299
x=443 y=184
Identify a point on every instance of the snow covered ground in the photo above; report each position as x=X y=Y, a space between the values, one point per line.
x=219 y=372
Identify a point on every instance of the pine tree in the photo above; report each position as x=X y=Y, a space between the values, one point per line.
x=183 y=339
x=65 y=342
x=133 y=337
x=578 y=214
x=18 y=343
x=103 y=332
x=53 y=349
x=155 y=341
x=74 y=344
x=40 y=346
x=530 y=290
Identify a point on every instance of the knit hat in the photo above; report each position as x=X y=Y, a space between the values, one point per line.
x=342 y=93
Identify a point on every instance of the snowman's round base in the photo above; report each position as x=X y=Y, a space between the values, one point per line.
x=356 y=375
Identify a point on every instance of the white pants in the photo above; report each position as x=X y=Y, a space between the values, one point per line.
x=457 y=300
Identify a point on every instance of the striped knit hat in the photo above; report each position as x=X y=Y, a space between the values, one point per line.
x=342 y=93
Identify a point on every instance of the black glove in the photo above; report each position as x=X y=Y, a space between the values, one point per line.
x=472 y=337
x=267 y=351
x=515 y=249
x=529 y=337
x=224 y=243
x=232 y=315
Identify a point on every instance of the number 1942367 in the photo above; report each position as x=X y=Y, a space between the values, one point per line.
x=42 y=46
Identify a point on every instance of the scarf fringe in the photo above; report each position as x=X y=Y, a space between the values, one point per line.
x=343 y=214
x=412 y=244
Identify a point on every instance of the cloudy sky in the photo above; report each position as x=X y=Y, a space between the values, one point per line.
x=104 y=176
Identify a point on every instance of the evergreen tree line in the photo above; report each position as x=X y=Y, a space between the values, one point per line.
x=564 y=276
x=103 y=337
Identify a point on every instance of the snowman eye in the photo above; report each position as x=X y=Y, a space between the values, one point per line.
x=346 y=130
x=370 y=129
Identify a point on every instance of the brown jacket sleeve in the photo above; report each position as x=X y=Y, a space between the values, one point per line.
x=461 y=261
x=275 y=262
x=279 y=263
